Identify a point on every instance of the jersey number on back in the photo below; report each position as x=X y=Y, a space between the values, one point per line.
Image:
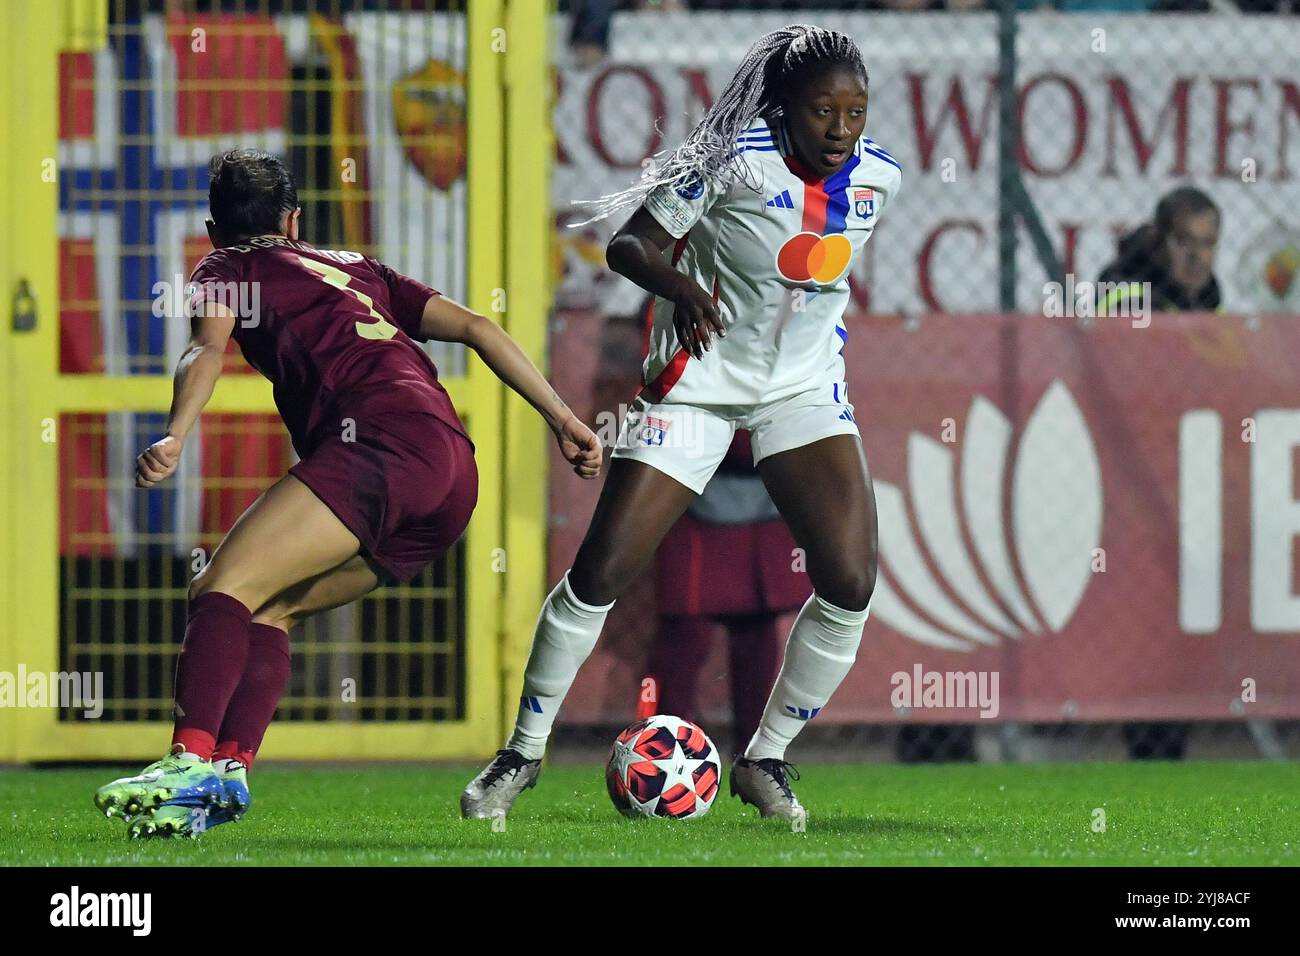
x=381 y=328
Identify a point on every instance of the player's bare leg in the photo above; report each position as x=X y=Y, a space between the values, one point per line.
x=637 y=507
x=285 y=537
x=255 y=699
x=351 y=580
x=823 y=490
x=824 y=493
x=252 y=707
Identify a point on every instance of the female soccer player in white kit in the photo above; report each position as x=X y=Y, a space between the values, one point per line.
x=745 y=235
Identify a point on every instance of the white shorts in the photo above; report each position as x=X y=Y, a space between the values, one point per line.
x=688 y=442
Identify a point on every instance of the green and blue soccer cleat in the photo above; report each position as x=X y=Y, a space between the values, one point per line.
x=171 y=820
x=235 y=798
x=179 y=779
x=183 y=820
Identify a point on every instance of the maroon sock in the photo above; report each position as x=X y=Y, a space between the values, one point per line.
x=208 y=670
x=755 y=650
x=680 y=647
x=266 y=675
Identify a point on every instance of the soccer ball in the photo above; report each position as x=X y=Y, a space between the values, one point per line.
x=663 y=767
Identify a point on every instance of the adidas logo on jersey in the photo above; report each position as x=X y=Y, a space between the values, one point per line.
x=782 y=201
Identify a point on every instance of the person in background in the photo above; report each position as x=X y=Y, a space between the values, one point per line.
x=1281 y=7
x=1174 y=253
x=729 y=561
x=589 y=31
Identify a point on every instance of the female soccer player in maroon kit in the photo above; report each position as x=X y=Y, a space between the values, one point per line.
x=386 y=482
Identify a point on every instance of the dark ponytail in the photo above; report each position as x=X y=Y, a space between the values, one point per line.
x=249 y=192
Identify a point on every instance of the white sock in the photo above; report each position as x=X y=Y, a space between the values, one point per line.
x=567 y=630
x=823 y=643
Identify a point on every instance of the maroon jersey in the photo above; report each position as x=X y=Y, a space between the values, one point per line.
x=332 y=330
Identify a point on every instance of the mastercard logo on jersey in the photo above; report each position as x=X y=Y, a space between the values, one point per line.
x=808 y=257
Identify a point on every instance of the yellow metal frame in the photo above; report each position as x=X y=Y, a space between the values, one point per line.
x=34 y=34
x=529 y=85
x=508 y=98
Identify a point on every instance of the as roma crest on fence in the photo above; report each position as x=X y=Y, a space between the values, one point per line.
x=429 y=112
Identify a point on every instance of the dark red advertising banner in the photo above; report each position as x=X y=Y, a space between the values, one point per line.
x=1102 y=520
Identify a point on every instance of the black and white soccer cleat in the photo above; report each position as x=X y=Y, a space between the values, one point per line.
x=494 y=791
x=765 y=784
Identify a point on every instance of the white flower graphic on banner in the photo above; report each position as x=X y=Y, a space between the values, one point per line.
x=1055 y=525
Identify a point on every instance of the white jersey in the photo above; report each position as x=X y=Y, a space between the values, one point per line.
x=777 y=263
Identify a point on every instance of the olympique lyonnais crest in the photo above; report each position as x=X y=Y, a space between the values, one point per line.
x=429 y=112
x=654 y=429
x=864 y=203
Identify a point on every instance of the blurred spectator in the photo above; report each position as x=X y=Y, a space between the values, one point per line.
x=1123 y=6
x=1086 y=6
x=589 y=33
x=1175 y=254
x=1107 y=6
x=730 y=560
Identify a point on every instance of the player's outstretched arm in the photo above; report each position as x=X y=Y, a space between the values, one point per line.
x=449 y=321
x=196 y=376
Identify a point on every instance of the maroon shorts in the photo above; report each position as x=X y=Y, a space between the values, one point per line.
x=406 y=487
x=715 y=570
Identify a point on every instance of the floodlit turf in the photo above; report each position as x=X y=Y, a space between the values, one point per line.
x=1163 y=814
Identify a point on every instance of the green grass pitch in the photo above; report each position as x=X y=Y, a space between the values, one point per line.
x=1163 y=814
